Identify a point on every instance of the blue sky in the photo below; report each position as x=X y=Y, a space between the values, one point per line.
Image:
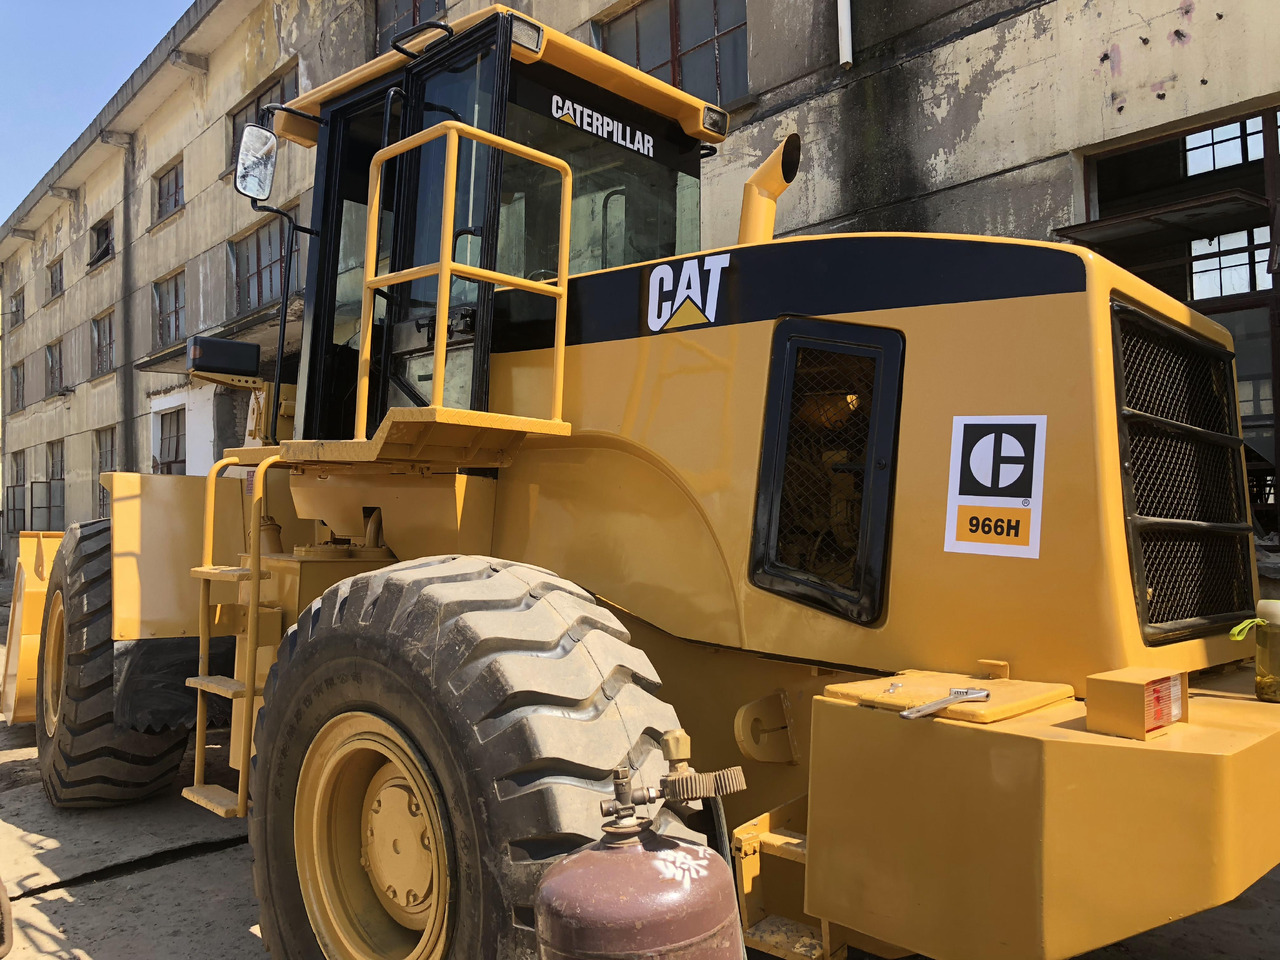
x=61 y=64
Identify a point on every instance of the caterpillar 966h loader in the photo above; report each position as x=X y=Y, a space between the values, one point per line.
x=940 y=536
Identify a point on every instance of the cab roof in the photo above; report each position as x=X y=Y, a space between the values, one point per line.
x=553 y=47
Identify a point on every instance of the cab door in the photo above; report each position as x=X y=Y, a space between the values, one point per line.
x=465 y=81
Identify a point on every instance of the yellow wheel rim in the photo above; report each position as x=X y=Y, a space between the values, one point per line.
x=55 y=646
x=368 y=831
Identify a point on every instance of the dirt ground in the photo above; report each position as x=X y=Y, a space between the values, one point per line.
x=164 y=880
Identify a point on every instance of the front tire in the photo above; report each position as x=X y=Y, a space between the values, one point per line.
x=472 y=706
x=86 y=759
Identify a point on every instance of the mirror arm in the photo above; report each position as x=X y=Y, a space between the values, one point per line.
x=268 y=112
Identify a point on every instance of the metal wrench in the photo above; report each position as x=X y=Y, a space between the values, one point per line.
x=957 y=695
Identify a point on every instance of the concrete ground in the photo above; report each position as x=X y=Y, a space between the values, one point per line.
x=164 y=880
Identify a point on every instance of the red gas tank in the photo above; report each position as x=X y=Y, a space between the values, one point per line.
x=636 y=893
x=639 y=895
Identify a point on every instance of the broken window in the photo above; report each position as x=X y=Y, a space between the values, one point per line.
x=169 y=195
x=55 y=279
x=53 y=368
x=57 y=460
x=280 y=90
x=17 y=309
x=173 y=442
x=101 y=244
x=171 y=309
x=697 y=45
x=102 y=334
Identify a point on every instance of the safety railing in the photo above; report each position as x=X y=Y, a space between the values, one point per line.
x=447 y=268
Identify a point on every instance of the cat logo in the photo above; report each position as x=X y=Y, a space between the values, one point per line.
x=689 y=300
x=996 y=486
x=602 y=125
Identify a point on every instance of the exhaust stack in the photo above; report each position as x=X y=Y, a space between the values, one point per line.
x=760 y=193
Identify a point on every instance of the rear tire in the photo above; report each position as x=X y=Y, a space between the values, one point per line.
x=517 y=695
x=85 y=759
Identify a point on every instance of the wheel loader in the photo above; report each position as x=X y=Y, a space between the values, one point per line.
x=940 y=537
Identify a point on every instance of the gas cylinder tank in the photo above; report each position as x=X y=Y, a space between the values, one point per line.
x=636 y=893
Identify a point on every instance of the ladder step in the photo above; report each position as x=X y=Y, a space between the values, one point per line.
x=227 y=574
x=213 y=797
x=785 y=938
x=219 y=686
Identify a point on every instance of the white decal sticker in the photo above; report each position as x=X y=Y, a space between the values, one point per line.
x=996 y=486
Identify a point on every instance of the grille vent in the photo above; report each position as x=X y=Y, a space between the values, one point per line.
x=1185 y=506
x=824 y=470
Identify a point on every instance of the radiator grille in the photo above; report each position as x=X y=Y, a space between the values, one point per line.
x=824 y=470
x=1188 y=521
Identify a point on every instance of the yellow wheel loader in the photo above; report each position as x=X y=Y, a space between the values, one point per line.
x=940 y=537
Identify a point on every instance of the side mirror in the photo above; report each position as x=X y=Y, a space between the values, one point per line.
x=256 y=165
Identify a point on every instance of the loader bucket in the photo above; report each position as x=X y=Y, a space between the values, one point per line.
x=22 y=648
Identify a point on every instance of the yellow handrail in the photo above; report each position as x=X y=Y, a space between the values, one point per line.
x=446 y=268
x=251 y=638
x=206 y=628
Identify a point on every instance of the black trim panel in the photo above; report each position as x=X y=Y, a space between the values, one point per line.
x=865 y=603
x=816 y=277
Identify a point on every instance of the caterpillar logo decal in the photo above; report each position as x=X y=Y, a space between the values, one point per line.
x=996 y=487
x=601 y=125
x=685 y=294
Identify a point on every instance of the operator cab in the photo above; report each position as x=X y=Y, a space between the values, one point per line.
x=635 y=197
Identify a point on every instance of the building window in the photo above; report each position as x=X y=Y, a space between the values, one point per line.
x=104 y=344
x=1225 y=146
x=169 y=198
x=397 y=16
x=171 y=308
x=259 y=267
x=57 y=460
x=173 y=442
x=55 y=279
x=17 y=308
x=106 y=442
x=53 y=368
x=101 y=243
x=281 y=90
x=697 y=45
x=15 y=494
x=17 y=386
x=1231 y=264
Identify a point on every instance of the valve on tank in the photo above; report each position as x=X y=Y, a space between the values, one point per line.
x=637 y=893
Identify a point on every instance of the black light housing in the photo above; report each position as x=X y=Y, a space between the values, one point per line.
x=217 y=355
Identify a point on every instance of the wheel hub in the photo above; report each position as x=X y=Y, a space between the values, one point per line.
x=371 y=844
x=396 y=850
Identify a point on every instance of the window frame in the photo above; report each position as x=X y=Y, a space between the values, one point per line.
x=251 y=106
x=104 y=498
x=17 y=307
x=18 y=386
x=676 y=52
x=865 y=605
x=56 y=459
x=170 y=201
x=241 y=309
x=15 y=494
x=101 y=251
x=163 y=465
x=164 y=336
x=55 y=269
x=96 y=344
x=51 y=351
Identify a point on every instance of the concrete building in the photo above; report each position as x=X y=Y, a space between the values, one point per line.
x=1144 y=128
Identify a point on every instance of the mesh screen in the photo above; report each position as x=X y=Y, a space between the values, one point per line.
x=1176 y=474
x=820 y=514
x=1169 y=376
x=1195 y=574
x=1184 y=478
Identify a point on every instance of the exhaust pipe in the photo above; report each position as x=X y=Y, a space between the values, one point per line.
x=760 y=193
